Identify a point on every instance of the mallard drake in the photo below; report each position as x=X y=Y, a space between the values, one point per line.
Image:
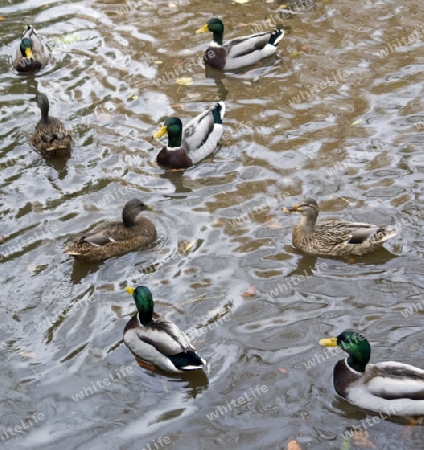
x=31 y=54
x=391 y=387
x=334 y=237
x=115 y=238
x=189 y=145
x=241 y=52
x=158 y=341
x=51 y=138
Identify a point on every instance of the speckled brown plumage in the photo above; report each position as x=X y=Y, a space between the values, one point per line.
x=51 y=138
x=115 y=238
x=334 y=237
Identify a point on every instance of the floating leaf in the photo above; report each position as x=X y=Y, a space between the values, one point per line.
x=345 y=445
x=241 y=2
x=184 y=81
x=414 y=347
x=273 y=224
x=356 y=122
x=27 y=354
x=362 y=439
x=250 y=292
x=158 y=62
x=293 y=445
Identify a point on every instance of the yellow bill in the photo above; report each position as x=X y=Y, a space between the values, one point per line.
x=203 y=29
x=329 y=342
x=28 y=52
x=130 y=290
x=161 y=132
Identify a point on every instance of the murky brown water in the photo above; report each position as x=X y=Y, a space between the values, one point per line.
x=336 y=116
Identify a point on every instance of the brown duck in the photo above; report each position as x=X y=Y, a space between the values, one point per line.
x=115 y=238
x=334 y=237
x=51 y=138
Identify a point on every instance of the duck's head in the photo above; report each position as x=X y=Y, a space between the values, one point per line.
x=132 y=209
x=173 y=127
x=26 y=48
x=216 y=27
x=355 y=345
x=307 y=207
x=143 y=301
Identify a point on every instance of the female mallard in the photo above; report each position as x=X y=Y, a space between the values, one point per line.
x=391 y=387
x=51 y=138
x=158 y=341
x=334 y=237
x=31 y=54
x=194 y=142
x=115 y=238
x=241 y=52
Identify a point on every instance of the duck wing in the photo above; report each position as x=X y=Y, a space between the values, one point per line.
x=391 y=380
x=165 y=337
x=246 y=44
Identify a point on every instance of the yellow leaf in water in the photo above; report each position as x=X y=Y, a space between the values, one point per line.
x=134 y=97
x=188 y=246
x=27 y=354
x=414 y=347
x=356 y=122
x=184 y=81
x=294 y=54
x=293 y=445
x=241 y=2
x=158 y=62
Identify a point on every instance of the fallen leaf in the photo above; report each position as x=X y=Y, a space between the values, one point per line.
x=158 y=62
x=293 y=445
x=362 y=439
x=345 y=445
x=414 y=347
x=282 y=370
x=27 y=354
x=249 y=292
x=184 y=81
x=273 y=224
x=356 y=122
x=241 y=2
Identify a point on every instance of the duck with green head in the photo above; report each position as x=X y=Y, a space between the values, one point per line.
x=388 y=387
x=195 y=141
x=116 y=238
x=158 y=341
x=50 y=138
x=241 y=52
x=32 y=54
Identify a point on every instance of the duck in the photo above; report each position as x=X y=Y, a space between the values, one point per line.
x=115 y=238
x=195 y=141
x=32 y=54
x=157 y=341
x=50 y=138
x=241 y=52
x=388 y=387
x=334 y=237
